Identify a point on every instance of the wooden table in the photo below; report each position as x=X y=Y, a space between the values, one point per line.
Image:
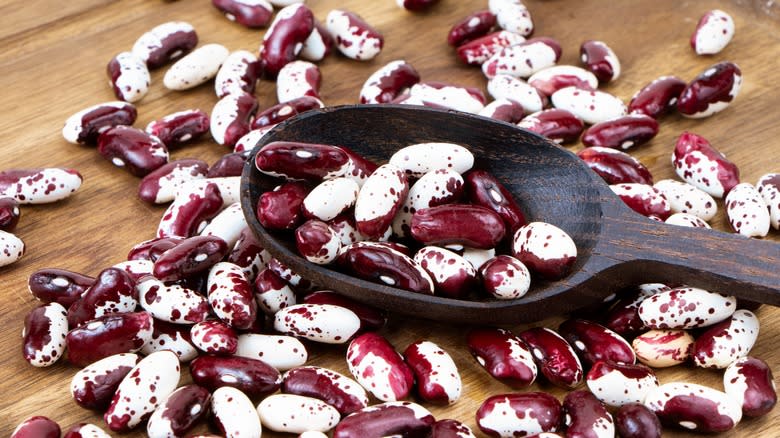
x=53 y=64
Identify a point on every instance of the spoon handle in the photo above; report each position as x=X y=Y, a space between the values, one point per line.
x=645 y=250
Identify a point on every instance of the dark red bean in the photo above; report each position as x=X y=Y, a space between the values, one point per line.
x=9 y=214
x=600 y=60
x=384 y=265
x=559 y=125
x=469 y=225
x=621 y=133
x=635 y=420
x=108 y=335
x=503 y=355
x=339 y=391
x=192 y=256
x=113 y=292
x=58 y=285
x=180 y=411
x=251 y=14
x=554 y=357
x=132 y=148
x=253 y=377
x=710 y=92
x=614 y=166
x=37 y=427
x=750 y=380
x=165 y=43
x=179 y=128
x=658 y=97
x=484 y=189
x=474 y=26
x=543 y=408
x=296 y=160
x=284 y=39
x=281 y=209
x=94 y=386
x=594 y=342
x=152 y=249
x=404 y=419
x=85 y=126
x=586 y=416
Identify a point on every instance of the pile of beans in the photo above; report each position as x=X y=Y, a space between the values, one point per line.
x=199 y=292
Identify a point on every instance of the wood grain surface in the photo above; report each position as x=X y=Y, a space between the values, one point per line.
x=52 y=64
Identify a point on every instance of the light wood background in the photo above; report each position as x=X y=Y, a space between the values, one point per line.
x=52 y=63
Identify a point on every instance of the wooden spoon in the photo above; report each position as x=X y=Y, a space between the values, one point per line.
x=616 y=246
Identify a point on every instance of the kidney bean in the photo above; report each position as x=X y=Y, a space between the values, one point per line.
x=620 y=384
x=248 y=254
x=230 y=295
x=197 y=67
x=586 y=416
x=297 y=79
x=172 y=337
x=484 y=189
x=686 y=307
x=479 y=50
x=189 y=257
x=471 y=225
x=591 y=106
x=544 y=249
x=749 y=382
x=711 y=91
x=234 y=414
x=354 y=37
x=554 y=357
x=623 y=316
x=503 y=355
x=37 y=427
x=614 y=166
x=658 y=97
x=503 y=109
x=86 y=125
x=144 y=388
x=160 y=185
x=694 y=407
x=386 y=419
x=370 y=318
x=600 y=60
x=178 y=128
x=95 y=385
x=415 y=5
x=214 y=337
x=713 y=32
x=523 y=59
x=335 y=389
x=438 y=380
x=128 y=77
x=508 y=87
x=725 y=342
x=519 y=414
x=108 y=335
x=136 y=268
x=452 y=275
x=450 y=429
x=663 y=348
x=558 y=125
x=248 y=13
x=11 y=248
x=330 y=198
x=302 y=160
x=505 y=278
x=230 y=164
x=9 y=214
x=289 y=276
x=551 y=79
x=594 y=342
x=85 y=430
x=512 y=15
x=281 y=413
x=165 y=42
x=58 y=285
x=45 y=328
x=231 y=118
x=376 y=365
x=282 y=111
x=379 y=199
x=272 y=292
x=768 y=186
x=151 y=249
x=318 y=44
x=251 y=376
x=634 y=420
x=418 y=159
x=643 y=199
x=324 y=323
x=191 y=208
x=39 y=185
x=132 y=148
x=171 y=303
x=747 y=212
x=687 y=198
x=623 y=132
x=385 y=265
x=179 y=412
x=437 y=187
x=229 y=188
x=444 y=96
x=280 y=209
x=687 y=220
x=280 y=352
x=239 y=71
x=317 y=242
x=227 y=225
x=471 y=27
x=112 y=292
x=284 y=39
x=388 y=82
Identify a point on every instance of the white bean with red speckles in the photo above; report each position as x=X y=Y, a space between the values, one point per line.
x=354 y=38
x=248 y=141
x=512 y=15
x=524 y=59
x=769 y=187
x=229 y=188
x=195 y=68
x=227 y=225
x=620 y=384
x=230 y=295
x=694 y=407
x=171 y=303
x=11 y=248
x=297 y=79
x=685 y=308
x=687 y=220
x=438 y=379
x=722 y=344
x=236 y=74
x=142 y=390
x=214 y=337
x=45 y=328
x=544 y=249
x=39 y=186
x=747 y=212
x=591 y=106
x=687 y=198
x=330 y=198
x=292 y=413
x=281 y=352
x=447 y=96
x=324 y=323
x=713 y=32
x=234 y=414
x=508 y=87
x=129 y=77
x=433 y=188
x=505 y=278
x=418 y=159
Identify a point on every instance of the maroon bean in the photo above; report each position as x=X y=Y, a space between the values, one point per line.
x=384 y=265
x=469 y=225
x=249 y=254
x=180 y=411
x=160 y=185
x=416 y=5
x=37 y=427
x=253 y=377
x=452 y=275
x=354 y=37
x=505 y=110
x=623 y=132
x=284 y=39
x=635 y=420
x=94 y=386
x=477 y=51
x=283 y=111
x=437 y=377
x=9 y=214
x=113 y=292
x=614 y=166
x=658 y=97
x=503 y=355
x=307 y=161
x=749 y=381
x=450 y=429
x=519 y=414
x=230 y=164
x=190 y=211
x=484 y=189
x=152 y=249
x=404 y=419
x=586 y=416
x=623 y=317
x=594 y=342
x=559 y=125
x=710 y=92
x=370 y=318
x=600 y=60
x=388 y=82
x=694 y=407
x=192 y=256
x=335 y=389
x=86 y=125
x=179 y=128
x=375 y=364
x=58 y=285
x=132 y=148
x=280 y=209
x=252 y=14
x=165 y=42
x=317 y=242
x=474 y=26
x=698 y=163
x=231 y=118
x=554 y=357
x=108 y=335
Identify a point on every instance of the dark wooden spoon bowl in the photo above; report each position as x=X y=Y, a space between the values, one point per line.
x=616 y=246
